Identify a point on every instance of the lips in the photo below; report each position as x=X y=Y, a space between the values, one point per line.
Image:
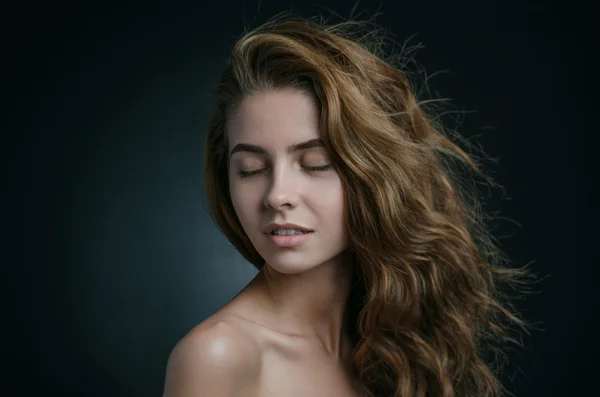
x=289 y=241
x=275 y=226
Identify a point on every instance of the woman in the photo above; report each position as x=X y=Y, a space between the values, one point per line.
x=376 y=275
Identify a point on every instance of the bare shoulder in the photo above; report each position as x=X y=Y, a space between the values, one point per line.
x=214 y=359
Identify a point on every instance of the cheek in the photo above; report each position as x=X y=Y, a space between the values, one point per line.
x=329 y=200
x=245 y=198
x=236 y=199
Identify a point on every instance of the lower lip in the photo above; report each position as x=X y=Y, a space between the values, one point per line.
x=289 y=241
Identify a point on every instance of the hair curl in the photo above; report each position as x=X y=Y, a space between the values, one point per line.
x=427 y=306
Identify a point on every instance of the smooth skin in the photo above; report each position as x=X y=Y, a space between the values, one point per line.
x=216 y=359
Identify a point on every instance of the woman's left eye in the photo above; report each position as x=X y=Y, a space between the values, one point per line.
x=317 y=168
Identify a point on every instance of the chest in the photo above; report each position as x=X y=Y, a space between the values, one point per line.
x=307 y=378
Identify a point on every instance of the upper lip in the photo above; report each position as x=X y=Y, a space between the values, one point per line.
x=275 y=226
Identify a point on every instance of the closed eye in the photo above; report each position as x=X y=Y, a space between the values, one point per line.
x=246 y=174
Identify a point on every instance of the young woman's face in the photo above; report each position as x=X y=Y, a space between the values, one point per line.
x=271 y=183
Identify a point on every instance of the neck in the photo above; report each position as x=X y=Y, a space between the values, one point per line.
x=311 y=304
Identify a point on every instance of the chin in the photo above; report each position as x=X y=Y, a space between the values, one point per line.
x=290 y=265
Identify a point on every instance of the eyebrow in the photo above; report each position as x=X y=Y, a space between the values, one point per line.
x=246 y=147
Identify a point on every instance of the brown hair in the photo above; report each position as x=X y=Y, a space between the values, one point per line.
x=426 y=304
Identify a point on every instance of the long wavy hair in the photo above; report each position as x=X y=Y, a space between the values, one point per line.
x=428 y=306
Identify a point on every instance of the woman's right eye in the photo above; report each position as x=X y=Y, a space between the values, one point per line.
x=245 y=174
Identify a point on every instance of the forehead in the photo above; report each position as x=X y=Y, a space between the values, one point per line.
x=274 y=117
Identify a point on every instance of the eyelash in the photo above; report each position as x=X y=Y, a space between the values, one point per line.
x=246 y=174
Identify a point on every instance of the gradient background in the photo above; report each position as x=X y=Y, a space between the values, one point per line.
x=119 y=257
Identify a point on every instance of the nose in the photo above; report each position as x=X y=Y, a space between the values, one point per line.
x=283 y=188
